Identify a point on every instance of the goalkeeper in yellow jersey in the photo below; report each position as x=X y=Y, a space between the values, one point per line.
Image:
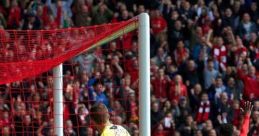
x=99 y=115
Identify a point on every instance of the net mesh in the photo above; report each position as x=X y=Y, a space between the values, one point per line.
x=25 y=54
x=92 y=73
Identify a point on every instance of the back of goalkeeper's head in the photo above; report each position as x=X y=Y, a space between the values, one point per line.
x=99 y=114
x=226 y=130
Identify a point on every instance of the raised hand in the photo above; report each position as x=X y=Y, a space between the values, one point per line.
x=248 y=107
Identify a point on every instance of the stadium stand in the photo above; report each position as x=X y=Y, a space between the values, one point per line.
x=204 y=65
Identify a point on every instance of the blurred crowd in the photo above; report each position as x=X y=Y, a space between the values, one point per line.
x=204 y=65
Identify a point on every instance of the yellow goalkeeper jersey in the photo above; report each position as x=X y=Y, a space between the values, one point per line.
x=114 y=130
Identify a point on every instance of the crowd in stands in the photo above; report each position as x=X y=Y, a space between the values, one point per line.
x=204 y=65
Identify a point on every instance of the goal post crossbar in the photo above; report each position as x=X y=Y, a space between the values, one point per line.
x=144 y=74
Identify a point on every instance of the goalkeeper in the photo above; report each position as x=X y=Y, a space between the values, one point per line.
x=100 y=120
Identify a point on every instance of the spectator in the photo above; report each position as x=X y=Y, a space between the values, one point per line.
x=156 y=115
x=132 y=105
x=168 y=64
x=210 y=74
x=167 y=107
x=253 y=11
x=158 y=24
x=81 y=119
x=190 y=73
x=177 y=89
x=212 y=132
x=6 y=130
x=14 y=16
x=86 y=62
x=207 y=127
x=216 y=90
x=184 y=108
x=69 y=128
x=253 y=47
x=28 y=129
x=31 y=22
x=256 y=105
x=198 y=133
x=160 y=85
x=176 y=110
x=200 y=49
x=228 y=19
x=119 y=110
x=254 y=126
x=169 y=124
x=249 y=82
x=160 y=131
x=82 y=14
x=124 y=91
x=246 y=27
x=220 y=53
x=200 y=77
x=141 y=9
x=204 y=109
x=159 y=59
x=187 y=128
x=97 y=94
x=195 y=95
x=222 y=109
x=232 y=90
x=235 y=113
x=175 y=34
x=102 y=14
x=181 y=54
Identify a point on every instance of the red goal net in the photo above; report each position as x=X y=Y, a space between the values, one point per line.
x=91 y=73
x=24 y=54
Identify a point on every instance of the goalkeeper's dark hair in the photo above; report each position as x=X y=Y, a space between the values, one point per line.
x=99 y=113
x=226 y=130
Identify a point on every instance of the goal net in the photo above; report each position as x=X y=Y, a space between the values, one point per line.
x=100 y=64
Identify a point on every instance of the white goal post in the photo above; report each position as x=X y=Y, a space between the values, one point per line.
x=58 y=100
x=144 y=82
x=144 y=74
